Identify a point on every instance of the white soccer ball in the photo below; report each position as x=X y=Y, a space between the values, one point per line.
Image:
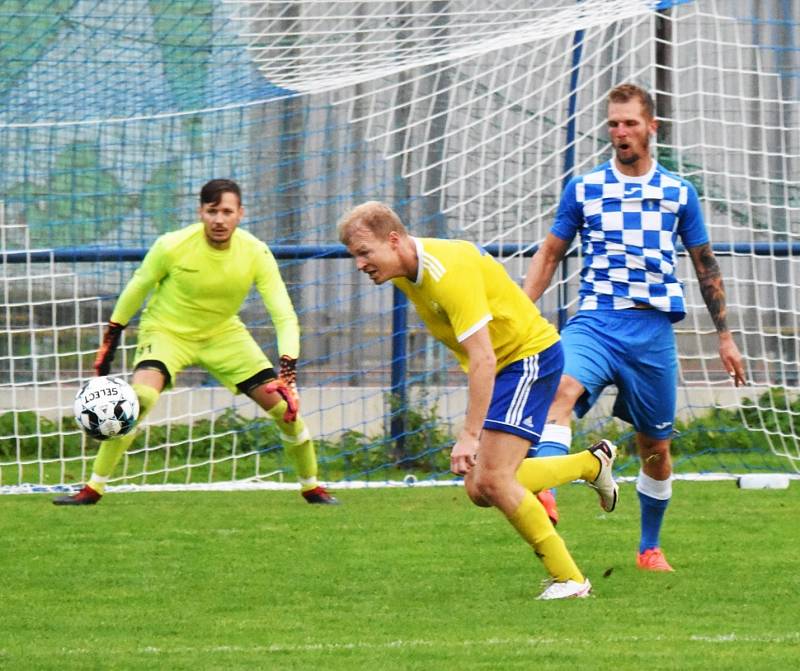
x=106 y=407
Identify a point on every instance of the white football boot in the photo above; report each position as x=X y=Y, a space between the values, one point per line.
x=605 y=451
x=569 y=589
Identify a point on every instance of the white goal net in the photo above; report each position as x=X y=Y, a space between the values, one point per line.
x=467 y=116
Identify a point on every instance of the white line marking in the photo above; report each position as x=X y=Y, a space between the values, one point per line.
x=791 y=637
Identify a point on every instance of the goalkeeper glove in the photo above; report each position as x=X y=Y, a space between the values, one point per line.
x=288 y=394
x=105 y=355
x=287 y=387
x=288 y=371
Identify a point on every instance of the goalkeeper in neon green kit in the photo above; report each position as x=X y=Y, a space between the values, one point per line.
x=199 y=276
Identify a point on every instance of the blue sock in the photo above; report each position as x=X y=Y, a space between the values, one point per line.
x=549 y=449
x=652 y=516
x=554 y=442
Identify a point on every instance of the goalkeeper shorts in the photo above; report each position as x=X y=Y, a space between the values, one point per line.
x=231 y=356
x=632 y=349
x=523 y=391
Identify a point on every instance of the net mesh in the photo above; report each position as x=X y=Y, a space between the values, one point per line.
x=466 y=116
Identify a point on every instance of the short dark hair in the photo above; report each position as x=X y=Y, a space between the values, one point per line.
x=626 y=92
x=212 y=191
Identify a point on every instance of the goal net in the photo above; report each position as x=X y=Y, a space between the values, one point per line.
x=468 y=117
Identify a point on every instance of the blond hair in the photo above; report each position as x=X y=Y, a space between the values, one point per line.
x=627 y=92
x=376 y=217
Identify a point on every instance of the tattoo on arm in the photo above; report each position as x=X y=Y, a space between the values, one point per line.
x=711 y=286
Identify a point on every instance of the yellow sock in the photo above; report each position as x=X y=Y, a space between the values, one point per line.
x=531 y=522
x=545 y=472
x=297 y=443
x=111 y=450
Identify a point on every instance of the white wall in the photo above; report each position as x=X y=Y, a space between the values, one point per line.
x=330 y=410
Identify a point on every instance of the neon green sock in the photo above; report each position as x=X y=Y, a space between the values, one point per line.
x=111 y=450
x=545 y=472
x=297 y=442
x=531 y=522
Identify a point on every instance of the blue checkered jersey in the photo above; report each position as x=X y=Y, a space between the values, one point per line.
x=628 y=227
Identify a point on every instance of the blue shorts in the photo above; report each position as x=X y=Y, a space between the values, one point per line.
x=632 y=349
x=523 y=391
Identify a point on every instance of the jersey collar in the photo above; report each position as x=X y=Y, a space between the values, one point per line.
x=641 y=179
x=420 y=254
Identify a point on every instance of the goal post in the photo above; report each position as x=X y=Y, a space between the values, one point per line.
x=467 y=116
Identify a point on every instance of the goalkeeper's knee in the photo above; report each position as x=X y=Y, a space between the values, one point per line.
x=148 y=396
x=292 y=433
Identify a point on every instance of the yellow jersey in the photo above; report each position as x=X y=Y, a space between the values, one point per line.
x=459 y=288
x=198 y=289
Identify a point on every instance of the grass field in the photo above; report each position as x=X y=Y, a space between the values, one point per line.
x=392 y=579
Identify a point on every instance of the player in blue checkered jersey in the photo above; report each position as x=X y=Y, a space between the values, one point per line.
x=630 y=212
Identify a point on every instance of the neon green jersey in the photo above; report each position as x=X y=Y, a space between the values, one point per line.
x=459 y=288
x=198 y=290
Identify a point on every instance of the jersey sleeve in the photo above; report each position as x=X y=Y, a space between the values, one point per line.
x=153 y=269
x=569 y=216
x=279 y=306
x=462 y=295
x=691 y=226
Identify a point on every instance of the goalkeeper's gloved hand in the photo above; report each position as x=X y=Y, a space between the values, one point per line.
x=288 y=371
x=288 y=394
x=105 y=354
x=287 y=374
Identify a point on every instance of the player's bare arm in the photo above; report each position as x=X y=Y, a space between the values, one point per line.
x=543 y=265
x=482 y=363
x=710 y=279
x=713 y=290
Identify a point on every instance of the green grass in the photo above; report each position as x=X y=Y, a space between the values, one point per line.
x=392 y=579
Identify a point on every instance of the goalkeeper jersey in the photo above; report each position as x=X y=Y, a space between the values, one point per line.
x=197 y=290
x=459 y=288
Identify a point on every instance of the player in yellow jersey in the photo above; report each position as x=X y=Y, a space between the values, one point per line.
x=198 y=277
x=513 y=360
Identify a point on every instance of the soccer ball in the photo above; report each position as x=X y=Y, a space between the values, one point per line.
x=106 y=407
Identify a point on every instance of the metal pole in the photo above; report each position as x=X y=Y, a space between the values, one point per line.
x=399 y=383
x=569 y=162
x=402 y=112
